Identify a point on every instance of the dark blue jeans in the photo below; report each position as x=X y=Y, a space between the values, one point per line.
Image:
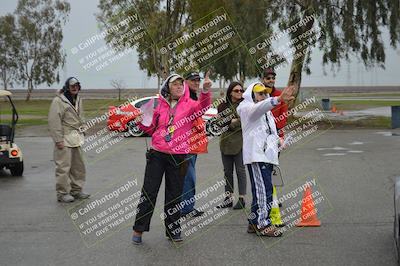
x=189 y=185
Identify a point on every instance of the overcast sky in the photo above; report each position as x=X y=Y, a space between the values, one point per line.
x=82 y=25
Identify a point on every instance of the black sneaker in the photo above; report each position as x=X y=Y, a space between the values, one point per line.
x=186 y=214
x=270 y=231
x=227 y=203
x=196 y=213
x=240 y=204
x=251 y=228
x=175 y=238
x=80 y=195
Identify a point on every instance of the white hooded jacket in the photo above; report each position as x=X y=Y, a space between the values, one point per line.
x=260 y=138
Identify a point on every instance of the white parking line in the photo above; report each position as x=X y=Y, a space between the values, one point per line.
x=334 y=148
x=356 y=143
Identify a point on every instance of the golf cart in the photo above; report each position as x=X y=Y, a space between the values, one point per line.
x=10 y=154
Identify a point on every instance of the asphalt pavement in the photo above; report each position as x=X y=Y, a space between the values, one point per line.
x=353 y=172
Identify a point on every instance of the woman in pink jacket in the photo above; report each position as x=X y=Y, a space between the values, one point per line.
x=170 y=129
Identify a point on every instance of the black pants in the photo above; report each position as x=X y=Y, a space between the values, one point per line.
x=228 y=161
x=174 y=167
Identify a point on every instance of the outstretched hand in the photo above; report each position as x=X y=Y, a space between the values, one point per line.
x=288 y=94
x=207 y=83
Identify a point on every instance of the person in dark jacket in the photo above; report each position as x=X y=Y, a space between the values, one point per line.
x=231 y=144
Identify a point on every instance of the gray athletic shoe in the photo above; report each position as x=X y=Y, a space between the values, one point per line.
x=80 y=195
x=65 y=198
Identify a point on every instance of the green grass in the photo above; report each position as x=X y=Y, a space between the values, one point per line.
x=33 y=107
x=26 y=122
x=369 y=94
x=362 y=104
x=350 y=105
x=94 y=108
x=371 y=122
x=41 y=107
x=35 y=112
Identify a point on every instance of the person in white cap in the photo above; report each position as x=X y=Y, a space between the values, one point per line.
x=65 y=121
x=172 y=120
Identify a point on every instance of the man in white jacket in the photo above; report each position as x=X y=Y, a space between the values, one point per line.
x=260 y=151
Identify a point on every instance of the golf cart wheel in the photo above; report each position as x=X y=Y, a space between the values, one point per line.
x=134 y=129
x=213 y=128
x=17 y=169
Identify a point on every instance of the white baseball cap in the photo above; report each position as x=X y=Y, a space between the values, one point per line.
x=175 y=77
x=73 y=81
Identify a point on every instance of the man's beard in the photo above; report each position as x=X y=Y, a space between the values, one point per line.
x=271 y=85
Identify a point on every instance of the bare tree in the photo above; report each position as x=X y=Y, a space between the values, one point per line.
x=118 y=84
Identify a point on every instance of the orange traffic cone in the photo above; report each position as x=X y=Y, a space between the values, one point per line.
x=308 y=211
x=334 y=109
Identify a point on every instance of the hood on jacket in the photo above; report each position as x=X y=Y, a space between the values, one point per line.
x=66 y=92
x=248 y=94
x=164 y=90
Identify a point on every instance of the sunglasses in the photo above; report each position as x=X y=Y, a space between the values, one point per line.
x=270 y=78
x=242 y=91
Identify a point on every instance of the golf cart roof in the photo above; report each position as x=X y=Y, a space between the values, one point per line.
x=5 y=93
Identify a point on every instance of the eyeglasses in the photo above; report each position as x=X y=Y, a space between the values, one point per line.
x=241 y=91
x=270 y=78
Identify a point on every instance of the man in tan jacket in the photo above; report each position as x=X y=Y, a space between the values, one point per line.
x=65 y=121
